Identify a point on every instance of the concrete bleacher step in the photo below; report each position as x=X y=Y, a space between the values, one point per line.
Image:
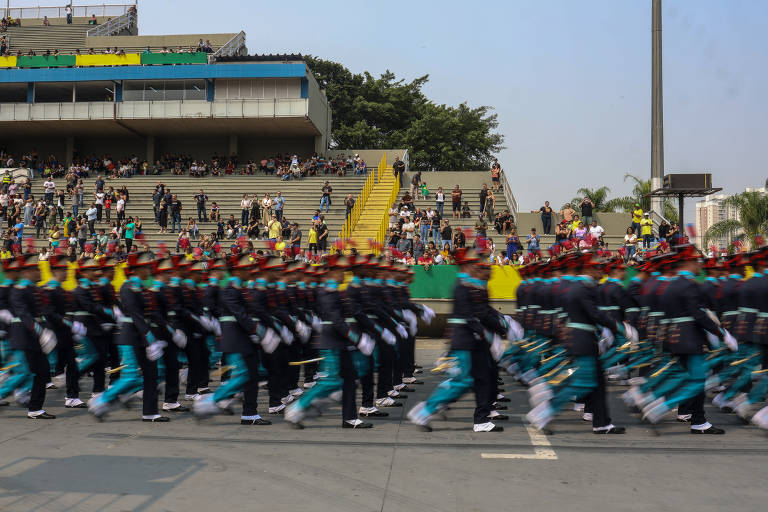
x=302 y=200
x=64 y=38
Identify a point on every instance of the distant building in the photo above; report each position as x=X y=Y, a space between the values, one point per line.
x=711 y=210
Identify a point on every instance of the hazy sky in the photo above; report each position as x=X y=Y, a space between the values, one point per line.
x=570 y=80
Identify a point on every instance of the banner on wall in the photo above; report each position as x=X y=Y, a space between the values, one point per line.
x=438 y=282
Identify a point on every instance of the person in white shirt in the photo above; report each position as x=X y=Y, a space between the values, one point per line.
x=99 y=198
x=393 y=213
x=245 y=209
x=596 y=231
x=50 y=188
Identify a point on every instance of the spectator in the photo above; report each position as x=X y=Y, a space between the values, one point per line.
x=176 y=208
x=495 y=175
x=312 y=239
x=533 y=242
x=434 y=225
x=398 y=168
x=130 y=227
x=663 y=231
x=596 y=232
x=295 y=239
x=393 y=216
x=418 y=247
x=439 y=201
x=200 y=199
x=466 y=213
x=277 y=205
x=630 y=244
x=349 y=203
x=50 y=188
x=68 y=12
x=446 y=234
x=120 y=208
x=646 y=227
x=274 y=228
x=513 y=245
x=415 y=183
x=637 y=216
x=586 y=206
x=459 y=239
x=266 y=207
x=162 y=216
x=98 y=184
x=98 y=197
x=325 y=199
x=567 y=213
x=581 y=231
x=192 y=229
x=483 y=197
x=409 y=230
x=546 y=217
x=490 y=203
x=322 y=235
x=245 y=209
x=91 y=215
x=215 y=213
x=456 y=201
x=562 y=232
x=424 y=191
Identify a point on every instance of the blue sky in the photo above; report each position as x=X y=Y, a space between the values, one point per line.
x=570 y=80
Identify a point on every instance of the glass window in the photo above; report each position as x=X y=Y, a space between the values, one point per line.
x=194 y=90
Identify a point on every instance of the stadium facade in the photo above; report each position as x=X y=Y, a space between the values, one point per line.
x=145 y=100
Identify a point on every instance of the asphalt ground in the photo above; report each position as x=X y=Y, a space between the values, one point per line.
x=74 y=463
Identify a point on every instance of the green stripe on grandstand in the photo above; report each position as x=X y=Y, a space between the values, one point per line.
x=46 y=61
x=174 y=58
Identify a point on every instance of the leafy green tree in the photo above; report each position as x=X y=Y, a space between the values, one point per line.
x=599 y=197
x=640 y=192
x=384 y=112
x=752 y=210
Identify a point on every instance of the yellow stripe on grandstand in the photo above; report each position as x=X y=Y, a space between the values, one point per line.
x=7 y=62
x=129 y=59
x=503 y=282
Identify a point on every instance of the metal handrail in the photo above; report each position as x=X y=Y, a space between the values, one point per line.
x=357 y=209
x=383 y=227
x=657 y=218
x=114 y=26
x=59 y=11
x=508 y=195
x=407 y=161
x=233 y=47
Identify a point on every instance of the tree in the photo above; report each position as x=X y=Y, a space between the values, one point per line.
x=640 y=194
x=751 y=221
x=384 y=112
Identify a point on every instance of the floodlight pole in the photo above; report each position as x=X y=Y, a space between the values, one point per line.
x=657 y=111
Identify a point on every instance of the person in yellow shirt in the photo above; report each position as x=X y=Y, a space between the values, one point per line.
x=279 y=246
x=637 y=216
x=313 y=239
x=646 y=229
x=275 y=228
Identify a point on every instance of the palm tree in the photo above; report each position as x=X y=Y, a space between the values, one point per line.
x=751 y=221
x=599 y=197
x=640 y=195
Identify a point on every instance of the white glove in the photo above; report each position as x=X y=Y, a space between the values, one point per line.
x=427 y=314
x=286 y=335
x=6 y=316
x=713 y=340
x=730 y=341
x=317 y=324
x=179 y=338
x=78 y=329
x=270 y=341
x=155 y=350
x=401 y=331
x=606 y=340
x=107 y=326
x=631 y=334
x=206 y=323
x=116 y=311
x=497 y=347
x=216 y=327
x=515 y=331
x=388 y=337
x=47 y=340
x=413 y=322
x=366 y=344
x=304 y=331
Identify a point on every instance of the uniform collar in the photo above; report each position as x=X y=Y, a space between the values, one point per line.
x=235 y=282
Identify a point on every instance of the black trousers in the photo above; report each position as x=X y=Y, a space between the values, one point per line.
x=596 y=402
x=481 y=374
x=366 y=385
x=198 y=363
x=149 y=372
x=295 y=353
x=171 y=362
x=251 y=388
x=547 y=222
x=387 y=362
x=38 y=365
x=68 y=365
x=348 y=388
x=102 y=345
x=277 y=381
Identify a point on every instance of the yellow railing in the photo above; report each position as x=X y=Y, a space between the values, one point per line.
x=381 y=236
x=357 y=210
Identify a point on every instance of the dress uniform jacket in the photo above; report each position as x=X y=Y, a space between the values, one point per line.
x=25 y=306
x=134 y=327
x=236 y=324
x=686 y=319
x=584 y=317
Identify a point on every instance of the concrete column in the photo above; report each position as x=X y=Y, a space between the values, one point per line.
x=657 y=111
x=232 y=145
x=150 y=149
x=70 y=150
x=30 y=92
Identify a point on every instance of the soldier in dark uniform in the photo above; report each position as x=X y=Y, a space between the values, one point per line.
x=685 y=337
x=469 y=347
x=240 y=340
x=139 y=348
x=57 y=305
x=30 y=336
x=336 y=342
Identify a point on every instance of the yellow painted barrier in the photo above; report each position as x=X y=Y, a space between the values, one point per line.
x=129 y=59
x=503 y=283
x=7 y=62
x=71 y=282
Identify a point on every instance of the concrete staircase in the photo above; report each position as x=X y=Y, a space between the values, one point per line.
x=376 y=208
x=65 y=38
x=614 y=224
x=302 y=198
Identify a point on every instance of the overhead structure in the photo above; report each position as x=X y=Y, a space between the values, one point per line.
x=682 y=186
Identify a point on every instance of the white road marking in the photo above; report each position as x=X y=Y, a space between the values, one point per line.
x=542 y=449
